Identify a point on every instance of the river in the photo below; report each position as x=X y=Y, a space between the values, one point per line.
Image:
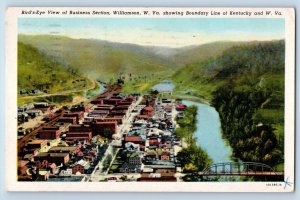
x=91 y=93
x=209 y=133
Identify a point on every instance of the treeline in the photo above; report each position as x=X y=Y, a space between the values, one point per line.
x=192 y=158
x=250 y=100
x=251 y=141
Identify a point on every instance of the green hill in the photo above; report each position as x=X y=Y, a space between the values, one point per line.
x=194 y=54
x=101 y=59
x=246 y=86
x=44 y=74
x=247 y=62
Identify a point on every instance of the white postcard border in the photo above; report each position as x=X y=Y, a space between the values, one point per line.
x=11 y=112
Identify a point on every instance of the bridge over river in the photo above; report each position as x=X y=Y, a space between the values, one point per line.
x=239 y=169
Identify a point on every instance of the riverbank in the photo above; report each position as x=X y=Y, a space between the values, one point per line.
x=192 y=158
x=209 y=133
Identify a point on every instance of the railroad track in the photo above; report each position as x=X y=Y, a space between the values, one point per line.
x=23 y=140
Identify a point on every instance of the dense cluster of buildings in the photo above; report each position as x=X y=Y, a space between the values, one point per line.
x=148 y=146
x=70 y=146
x=32 y=110
x=74 y=144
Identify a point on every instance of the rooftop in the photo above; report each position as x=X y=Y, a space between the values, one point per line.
x=37 y=141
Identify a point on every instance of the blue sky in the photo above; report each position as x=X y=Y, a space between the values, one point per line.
x=173 y=32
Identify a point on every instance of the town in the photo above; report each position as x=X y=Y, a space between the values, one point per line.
x=113 y=137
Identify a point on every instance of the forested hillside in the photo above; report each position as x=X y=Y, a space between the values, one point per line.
x=246 y=86
x=43 y=74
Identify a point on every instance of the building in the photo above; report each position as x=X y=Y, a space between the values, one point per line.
x=159 y=114
x=33 y=113
x=77 y=115
x=80 y=108
x=130 y=168
x=57 y=158
x=134 y=158
x=105 y=129
x=104 y=107
x=70 y=150
x=79 y=128
x=134 y=139
x=165 y=156
x=168 y=108
x=118 y=119
x=79 y=133
x=71 y=120
x=81 y=166
x=78 y=136
x=43 y=106
x=111 y=101
x=49 y=133
x=180 y=107
x=37 y=144
x=78 y=168
x=148 y=111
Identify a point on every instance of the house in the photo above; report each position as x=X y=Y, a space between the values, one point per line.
x=165 y=156
x=148 y=111
x=80 y=167
x=168 y=108
x=165 y=145
x=150 y=157
x=129 y=146
x=153 y=142
x=180 y=107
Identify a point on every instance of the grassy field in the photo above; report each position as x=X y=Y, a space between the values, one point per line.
x=55 y=99
x=36 y=71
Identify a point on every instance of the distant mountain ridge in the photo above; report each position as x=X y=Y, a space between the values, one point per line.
x=104 y=59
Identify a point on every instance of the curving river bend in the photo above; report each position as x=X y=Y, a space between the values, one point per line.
x=209 y=133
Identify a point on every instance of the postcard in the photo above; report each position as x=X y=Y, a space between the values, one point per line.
x=150 y=99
